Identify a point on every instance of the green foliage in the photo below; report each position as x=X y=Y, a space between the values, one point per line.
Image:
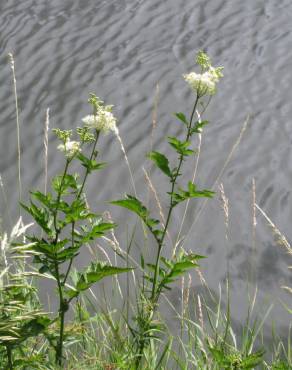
x=192 y=192
x=161 y=162
x=181 y=147
x=95 y=272
x=235 y=360
x=182 y=118
x=173 y=268
x=90 y=164
x=136 y=206
x=67 y=225
x=198 y=127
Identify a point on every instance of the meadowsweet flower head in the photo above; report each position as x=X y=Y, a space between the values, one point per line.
x=103 y=120
x=204 y=83
x=70 y=148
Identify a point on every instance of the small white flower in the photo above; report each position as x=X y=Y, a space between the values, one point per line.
x=70 y=148
x=203 y=84
x=103 y=121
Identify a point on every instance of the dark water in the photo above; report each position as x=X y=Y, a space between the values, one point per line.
x=121 y=50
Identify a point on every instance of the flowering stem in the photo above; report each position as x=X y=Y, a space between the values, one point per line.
x=155 y=292
x=97 y=132
x=77 y=197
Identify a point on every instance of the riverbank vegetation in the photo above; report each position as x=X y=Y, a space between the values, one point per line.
x=124 y=326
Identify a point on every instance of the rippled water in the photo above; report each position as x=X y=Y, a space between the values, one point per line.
x=122 y=50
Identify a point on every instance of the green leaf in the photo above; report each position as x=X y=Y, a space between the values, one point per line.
x=90 y=164
x=161 y=162
x=45 y=199
x=96 y=232
x=35 y=326
x=133 y=204
x=96 y=271
x=182 y=118
x=175 y=267
x=77 y=210
x=181 y=147
x=136 y=206
x=62 y=183
x=198 y=127
x=192 y=192
x=40 y=215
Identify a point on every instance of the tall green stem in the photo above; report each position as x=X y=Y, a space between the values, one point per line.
x=155 y=291
x=154 y=295
x=9 y=357
x=62 y=309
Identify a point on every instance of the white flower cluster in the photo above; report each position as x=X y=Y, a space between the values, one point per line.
x=103 y=121
x=70 y=148
x=204 y=83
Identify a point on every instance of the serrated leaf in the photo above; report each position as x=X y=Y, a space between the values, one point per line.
x=96 y=272
x=182 y=118
x=61 y=184
x=90 y=164
x=181 y=147
x=136 y=206
x=192 y=192
x=177 y=267
x=161 y=162
x=40 y=215
x=96 y=232
x=45 y=199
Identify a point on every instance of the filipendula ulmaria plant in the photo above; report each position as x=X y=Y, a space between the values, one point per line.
x=163 y=271
x=21 y=317
x=66 y=221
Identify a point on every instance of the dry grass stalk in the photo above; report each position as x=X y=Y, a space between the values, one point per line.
x=5 y=201
x=254 y=219
x=252 y=268
x=109 y=218
x=154 y=192
x=126 y=159
x=225 y=207
x=182 y=295
x=280 y=238
x=228 y=159
x=12 y=65
x=186 y=295
x=200 y=312
x=154 y=115
x=46 y=146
